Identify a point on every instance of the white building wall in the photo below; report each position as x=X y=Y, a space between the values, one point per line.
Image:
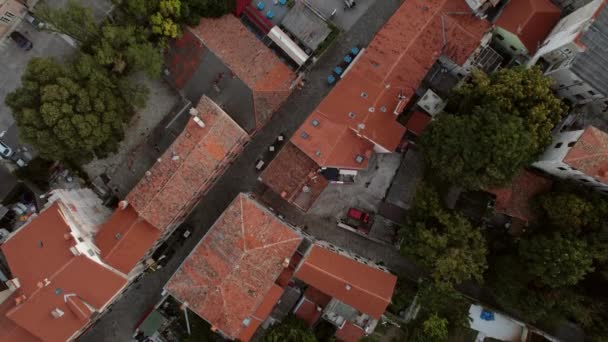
x=568 y=85
x=559 y=44
x=562 y=143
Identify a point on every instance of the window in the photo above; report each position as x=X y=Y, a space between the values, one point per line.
x=591 y=92
x=562 y=168
x=5 y=19
x=499 y=36
x=558 y=145
x=9 y=15
x=304 y=135
x=570 y=144
x=364 y=95
x=512 y=48
x=579 y=97
x=351 y=115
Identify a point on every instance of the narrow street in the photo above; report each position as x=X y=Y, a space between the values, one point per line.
x=118 y=323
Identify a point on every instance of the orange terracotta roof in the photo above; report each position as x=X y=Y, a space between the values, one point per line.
x=349 y=333
x=289 y=172
x=262 y=312
x=188 y=167
x=125 y=238
x=370 y=290
x=530 y=20
x=254 y=63
x=81 y=278
x=39 y=249
x=307 y=312
x=417 y=122
x=394 y=64
x=331 y=144
x=9 y=331
x=231 y=273
x=516 y=199
x=590 y=154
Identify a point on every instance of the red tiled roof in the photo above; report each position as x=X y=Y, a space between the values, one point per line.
x=307 y=312
x=80 y=281
x=9 y=331
x=289 y=172
x=418 y=122
x=590 y=154
x=394 y=64
x=262 y=312
x=370 y=290
x=254 y=63
x=188 y=167
x=530 y=20
x=515 y=200
x=230 y=274
x=349 y=333
x=125 y=238
x=39 y=249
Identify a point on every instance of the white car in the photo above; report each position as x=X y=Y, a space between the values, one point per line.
x=5 y=151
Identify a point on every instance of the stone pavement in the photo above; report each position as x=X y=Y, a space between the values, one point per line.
x=119 y=322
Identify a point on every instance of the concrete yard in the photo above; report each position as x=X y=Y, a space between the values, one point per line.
x=344 y=18
x=366 y=193
x=160 y=102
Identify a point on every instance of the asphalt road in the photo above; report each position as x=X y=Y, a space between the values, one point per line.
x=118 y=323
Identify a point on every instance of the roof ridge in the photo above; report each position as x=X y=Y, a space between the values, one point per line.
x=242 y=225
x=273 y=244
x=344 y=280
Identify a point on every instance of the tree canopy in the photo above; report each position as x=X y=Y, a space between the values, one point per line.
x=445 y=242
x=72 y=112
x=493 y=125
x=556 y=260
x=290 y=329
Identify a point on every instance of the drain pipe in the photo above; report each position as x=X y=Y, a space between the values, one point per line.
x=185 y=308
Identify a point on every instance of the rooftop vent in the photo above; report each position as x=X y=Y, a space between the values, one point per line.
x=286 y=262
x=348 y=287
x=364 y=95
x=20 y=299
x=148 y=173
x=199 y=122
x=351 y=115
x=432 y=103
x=74 y=251
x=13 y=284
x=57 y=313
x=47 y=282
x=318 y=153
x=359 y=159
x=383 y=109
x=122 y=205
x=314 y=122
x=118 y=236
x=246 y=322
x=304 y=135
x=371 y=109
x=193 y=111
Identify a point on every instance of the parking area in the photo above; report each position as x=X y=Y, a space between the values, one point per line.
x=344 y=18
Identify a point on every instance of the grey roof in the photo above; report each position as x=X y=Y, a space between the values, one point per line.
x=592 y=64
x=306 y=25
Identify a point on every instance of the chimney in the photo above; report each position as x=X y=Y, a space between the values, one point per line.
x=47 y=282
x=57 y=313
x=193 y=111
x=13 y=284
x=199 y=122
x=122 y=205
x=286 y=263
x=348 y=287
x=67 y=236
x=40 y=284
x=20 y=299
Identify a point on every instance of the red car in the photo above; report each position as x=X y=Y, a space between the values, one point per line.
x=358 y=215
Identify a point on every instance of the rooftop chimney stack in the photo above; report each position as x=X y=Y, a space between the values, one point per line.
x=57 y=313
x=199 y=122
x=123 y=204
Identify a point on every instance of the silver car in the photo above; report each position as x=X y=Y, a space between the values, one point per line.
x=5 y=151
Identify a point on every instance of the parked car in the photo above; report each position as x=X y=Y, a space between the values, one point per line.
x=30 y=18
x=21 y=40
x=5 y=151
x=359 y=220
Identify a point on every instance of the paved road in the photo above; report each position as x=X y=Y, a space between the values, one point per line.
x=118 y=323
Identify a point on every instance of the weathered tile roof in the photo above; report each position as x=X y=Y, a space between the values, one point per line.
x=250 y=60
x=233 y=269
x=349 y=333
x=530 y=20
x=176 y=182
x=363 y=287
x=125 y=238
x=9 y=331
x=289 y=172
x=590 y=154
x=39 y=256
x=393 y=65
x=516 y=199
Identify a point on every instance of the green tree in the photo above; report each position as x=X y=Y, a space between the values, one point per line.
x=165 y=21
x=557 y=260
x=70 y=113
x=290 y=329
x=444 y=242
x=193 y=10
x=569 y=211
x=493 y=126
x=73 y=20
x=442 y=299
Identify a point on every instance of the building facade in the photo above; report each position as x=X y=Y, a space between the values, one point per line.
x=11 y=13
x=573 y=54
x=580 y=156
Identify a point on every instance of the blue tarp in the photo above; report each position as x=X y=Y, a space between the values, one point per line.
x=487 y=315
x=338 y=70
x=354 y=51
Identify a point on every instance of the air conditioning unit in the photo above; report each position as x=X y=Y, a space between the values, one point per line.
x=431 y=103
